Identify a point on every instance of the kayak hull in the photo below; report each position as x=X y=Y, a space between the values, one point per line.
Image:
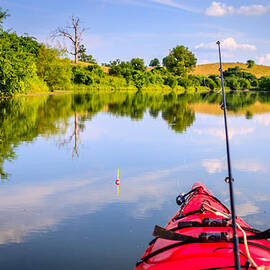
x=171 y=254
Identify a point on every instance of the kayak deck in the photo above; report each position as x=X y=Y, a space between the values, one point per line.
x=200 y=236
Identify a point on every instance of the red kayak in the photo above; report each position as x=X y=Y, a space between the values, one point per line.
x=200 y=235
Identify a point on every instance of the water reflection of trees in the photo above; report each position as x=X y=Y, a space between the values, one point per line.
x=23 y=119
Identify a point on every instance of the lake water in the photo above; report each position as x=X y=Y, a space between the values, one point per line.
x=59 y=157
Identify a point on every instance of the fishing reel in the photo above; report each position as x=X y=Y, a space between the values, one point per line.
x=180 y=199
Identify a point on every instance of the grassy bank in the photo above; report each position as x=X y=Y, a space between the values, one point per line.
x=208 y=69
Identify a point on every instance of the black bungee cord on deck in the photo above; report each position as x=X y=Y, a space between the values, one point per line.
x=229 y=179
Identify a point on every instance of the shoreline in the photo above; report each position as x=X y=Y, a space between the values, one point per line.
x=39 y=94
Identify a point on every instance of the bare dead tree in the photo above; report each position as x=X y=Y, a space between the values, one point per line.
x=74 y=33
x=75 y=134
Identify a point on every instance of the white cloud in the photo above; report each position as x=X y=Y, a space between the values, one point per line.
x=227 y=44
x=264 y=60
x=253 y=10
x=218 y=9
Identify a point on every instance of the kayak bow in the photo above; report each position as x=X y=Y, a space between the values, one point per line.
x=200 y=236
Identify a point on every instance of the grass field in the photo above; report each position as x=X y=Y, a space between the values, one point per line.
x=208 y=69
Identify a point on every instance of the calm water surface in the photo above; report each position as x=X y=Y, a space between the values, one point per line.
x=59 y=157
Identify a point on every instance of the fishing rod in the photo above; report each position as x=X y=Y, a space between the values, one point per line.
x=229 y=179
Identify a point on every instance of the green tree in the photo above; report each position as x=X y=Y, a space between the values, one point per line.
x=155 y=78
x=81 y=75
x=250 y=63
x=210 y=83
x=137 y=64
x=17 y=62
x=265 y=83
x=238 y=72
x=120 y=68
x=54 y=71
x=184 y=82
x=232 y=83
x=170 y=81
x=216 y=79
x=154 y=63
x=96 y=70
x=244 y=83
x=180 y=61
x=140 y=80
x=255 y=83
x=83 y=57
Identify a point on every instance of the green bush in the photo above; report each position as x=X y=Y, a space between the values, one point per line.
x=238 y=72
x=184 y=82
x=120 y=68
x=96 y=70
x=255 y=83
x=170 y=81
x=81 y=75
x=232 y=83
x=140 y=80
x=56 y=72
x=208 y=82
x=244 y=83
x=155 y=78
x=265 y=83
x=17 y=62
x=216 y=79
x=159 y=70
x=196 y=79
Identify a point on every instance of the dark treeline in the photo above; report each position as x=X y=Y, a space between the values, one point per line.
x=22 y=119
x=28 y=66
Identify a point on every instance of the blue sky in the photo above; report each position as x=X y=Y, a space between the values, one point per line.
x=149 y=28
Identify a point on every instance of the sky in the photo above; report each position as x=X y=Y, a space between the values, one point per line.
x=123 y=29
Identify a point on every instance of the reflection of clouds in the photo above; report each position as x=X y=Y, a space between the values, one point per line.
x=262 y=198
x=249 y=166
x=263 y=119
x=213 y=165
x=219 y=132
x=217 y=165
x=245 y=209
x=38 y=207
